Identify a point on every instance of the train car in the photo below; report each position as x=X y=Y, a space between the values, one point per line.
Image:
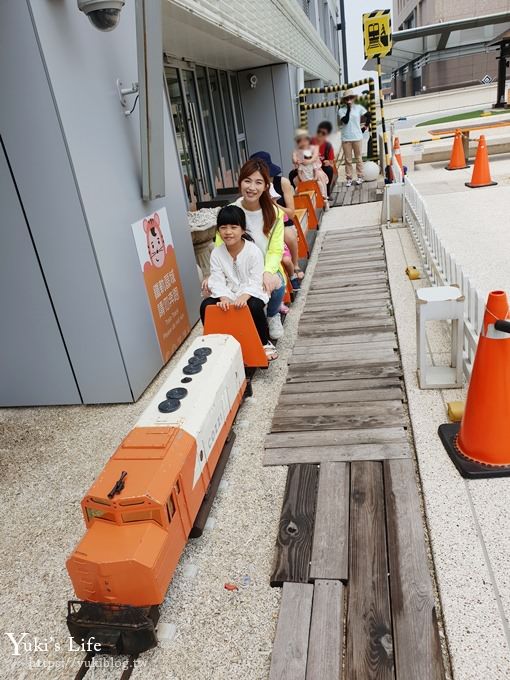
x=140 y=511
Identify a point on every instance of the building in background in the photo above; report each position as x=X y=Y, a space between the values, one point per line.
x=79 y=296
x=462 y=58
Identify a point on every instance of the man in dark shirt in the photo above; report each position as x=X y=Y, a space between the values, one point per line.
x=326 y=151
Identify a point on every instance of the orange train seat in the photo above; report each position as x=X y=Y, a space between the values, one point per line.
x=239 y=324
x=300 y=222
x=312 y=185
x=304 y=201
x=287 y=298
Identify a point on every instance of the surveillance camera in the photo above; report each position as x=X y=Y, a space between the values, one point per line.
x=253 y=80
x=103 y=14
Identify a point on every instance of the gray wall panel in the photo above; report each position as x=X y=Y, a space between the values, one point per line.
x=104 y=146
x=259 y=113
x=33 y=358
x=40 y=162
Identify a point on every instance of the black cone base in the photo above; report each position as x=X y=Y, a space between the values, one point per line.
x=468 y=468
x=480 y=186
x=462 y=167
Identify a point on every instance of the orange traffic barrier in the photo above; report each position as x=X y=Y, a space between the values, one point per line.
x=481 y=176
x=312 y=185
x=304 y=201
x=398 y=155
x=238 y=323
x=457 y=159
x=480 y=445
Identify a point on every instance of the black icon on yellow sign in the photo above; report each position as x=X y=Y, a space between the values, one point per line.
x=377 y=33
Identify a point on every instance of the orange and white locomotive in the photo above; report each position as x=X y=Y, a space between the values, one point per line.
x=141 y=509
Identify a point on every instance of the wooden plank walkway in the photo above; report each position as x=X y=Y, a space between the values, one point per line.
x=351 y=535
x=368 y=192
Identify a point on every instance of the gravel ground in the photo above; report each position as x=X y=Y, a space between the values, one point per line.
x=50 y=456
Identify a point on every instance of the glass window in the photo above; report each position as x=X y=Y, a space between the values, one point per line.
x=93 y=513
x=232 y=135
x=220 y=126
x=210 y=130
x=237 y=103
x=141 y=515
x=170 y=506
x=183 y=144
x=196 y=133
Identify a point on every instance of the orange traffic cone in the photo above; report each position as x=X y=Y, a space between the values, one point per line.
x=397 y=154
x=457 y=159
x=480 y=445
x=481 y=176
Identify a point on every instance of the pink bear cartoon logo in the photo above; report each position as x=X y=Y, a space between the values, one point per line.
x=155 y=240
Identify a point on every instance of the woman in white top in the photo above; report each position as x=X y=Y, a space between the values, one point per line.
x=237 y=271
x=353 y=124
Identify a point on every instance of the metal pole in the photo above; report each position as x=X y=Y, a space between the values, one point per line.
x=345 y=72
x=372 y=109
x=387 y=161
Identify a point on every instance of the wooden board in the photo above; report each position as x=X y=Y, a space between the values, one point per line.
x=417 y=645
x=355 y=338
x=337 y=454
x=303 y=374
x=330 y=548
x=362 y=408
x=346 y=351
x=332 y=356
x=369 y=651
x=340 y=385
x=347 y=396
x=326 y=632
x=336 y=437
x=294 y=541
x=335 y=421
x=290 y=649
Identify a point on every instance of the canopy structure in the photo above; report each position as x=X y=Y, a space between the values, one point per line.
x=413 y=43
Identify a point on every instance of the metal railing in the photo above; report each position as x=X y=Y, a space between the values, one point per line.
x=443 y=270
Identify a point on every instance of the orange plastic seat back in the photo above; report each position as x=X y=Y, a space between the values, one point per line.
x=304 y=201
x=239 y=324
x=287 y=298
x=312 y=185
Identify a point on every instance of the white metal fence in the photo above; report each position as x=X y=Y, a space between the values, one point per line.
x=442 y=269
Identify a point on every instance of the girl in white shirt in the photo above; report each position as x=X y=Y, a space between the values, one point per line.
x=237 y=270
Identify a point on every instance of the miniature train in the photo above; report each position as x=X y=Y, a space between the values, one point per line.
x=141 y=509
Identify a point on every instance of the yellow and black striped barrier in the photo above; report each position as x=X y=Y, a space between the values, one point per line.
x=330 y=89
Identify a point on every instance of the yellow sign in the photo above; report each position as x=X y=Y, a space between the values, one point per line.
x=377 y=40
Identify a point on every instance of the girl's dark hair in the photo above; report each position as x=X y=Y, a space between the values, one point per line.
x=232 y=214
x=268 y=208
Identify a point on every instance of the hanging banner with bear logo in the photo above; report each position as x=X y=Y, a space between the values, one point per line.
x=162 y=281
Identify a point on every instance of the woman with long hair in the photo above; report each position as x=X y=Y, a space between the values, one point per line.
x=264 y=223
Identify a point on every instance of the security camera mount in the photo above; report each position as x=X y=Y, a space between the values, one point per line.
x=124 y=92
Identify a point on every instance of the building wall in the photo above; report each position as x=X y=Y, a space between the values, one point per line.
x=76 y=160
x=438 y=11
x=279 y=27
x=461 y=71
x=269 y=112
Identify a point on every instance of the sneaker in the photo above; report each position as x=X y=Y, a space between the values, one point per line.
x=359 y=180
x=284 y=309
x=348 y=183
x=275 y=327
